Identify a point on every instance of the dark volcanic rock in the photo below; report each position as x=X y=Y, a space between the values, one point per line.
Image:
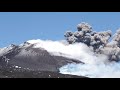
x=27 y=61
x=37 y=60
x=63 y=60
x=34 y=59
x=17 y=73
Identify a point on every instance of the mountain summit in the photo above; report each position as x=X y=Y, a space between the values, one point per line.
x=28 y=58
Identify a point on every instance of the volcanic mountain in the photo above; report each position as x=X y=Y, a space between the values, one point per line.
x=26 y=61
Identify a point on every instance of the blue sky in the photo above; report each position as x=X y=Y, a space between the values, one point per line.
x=17 y=27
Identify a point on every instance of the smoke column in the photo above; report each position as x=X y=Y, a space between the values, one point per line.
x=106 y=58
x=99 y=52
x=99 y=41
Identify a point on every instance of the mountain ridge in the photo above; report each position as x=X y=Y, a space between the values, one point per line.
x=29 y=59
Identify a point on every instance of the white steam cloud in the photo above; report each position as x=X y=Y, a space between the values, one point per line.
x=95 y=65
x=111 y=70
x=100 y=56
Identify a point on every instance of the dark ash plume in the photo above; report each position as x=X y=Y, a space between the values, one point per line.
x=99 y=41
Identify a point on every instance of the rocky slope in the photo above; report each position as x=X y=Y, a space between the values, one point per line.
x=24 y=61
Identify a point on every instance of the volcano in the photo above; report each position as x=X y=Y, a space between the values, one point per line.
x=26 y=61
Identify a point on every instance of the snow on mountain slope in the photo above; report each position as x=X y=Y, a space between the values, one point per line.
x=29 y=56
x=56 y=56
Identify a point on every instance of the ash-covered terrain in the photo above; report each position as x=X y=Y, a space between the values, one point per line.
x=25 y=61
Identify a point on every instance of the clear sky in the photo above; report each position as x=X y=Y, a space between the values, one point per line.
x=17 y=27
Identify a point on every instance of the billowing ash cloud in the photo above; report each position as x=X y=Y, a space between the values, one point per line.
x=99 y=41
